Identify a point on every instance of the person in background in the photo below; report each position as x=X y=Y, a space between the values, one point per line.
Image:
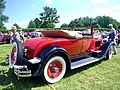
x=21 y=34
x=14 y=34
x=112 y=32
x=112 y=36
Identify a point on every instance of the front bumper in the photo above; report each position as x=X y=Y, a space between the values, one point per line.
x=22 y=71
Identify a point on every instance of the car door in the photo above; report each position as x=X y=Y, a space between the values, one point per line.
x=72 y=46
x=86 y=43
x=76 y=47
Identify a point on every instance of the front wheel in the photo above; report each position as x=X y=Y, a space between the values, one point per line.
x=54 y=69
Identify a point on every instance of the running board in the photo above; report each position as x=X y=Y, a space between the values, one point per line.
x=83 y=62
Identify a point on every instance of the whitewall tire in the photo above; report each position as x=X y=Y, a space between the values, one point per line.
x=13 y=55
x=54 y=69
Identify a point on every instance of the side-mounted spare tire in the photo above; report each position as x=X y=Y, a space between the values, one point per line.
x=16 y=54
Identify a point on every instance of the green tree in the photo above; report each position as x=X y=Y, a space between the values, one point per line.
x=49 y=17
x=64 y=25
x=103 y=21
x=31 y=24
x=72 y=24
x=82 y=21
x=80 y=24
x=119 y=26
x=37 y=23
x=3 y=18
x=86 y=21
x=97 y=26
x=16 y=25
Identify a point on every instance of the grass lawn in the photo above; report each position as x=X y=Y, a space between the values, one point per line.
x=102 y=75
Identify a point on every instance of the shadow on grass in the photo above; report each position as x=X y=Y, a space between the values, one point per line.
x=3 y=64
x=5 y=61
x=2 y=43
x=10 y=82
x=118 y=46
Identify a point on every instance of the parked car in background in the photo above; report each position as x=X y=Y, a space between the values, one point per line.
x=4 y=37
x=57 y=52
x=118 y=35
x=105 y=37
x=36 y=34
x=25 y=34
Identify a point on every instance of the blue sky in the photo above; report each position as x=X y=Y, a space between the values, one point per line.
x=22 y=11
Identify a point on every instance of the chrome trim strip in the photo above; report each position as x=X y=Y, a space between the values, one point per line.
x=35 y=60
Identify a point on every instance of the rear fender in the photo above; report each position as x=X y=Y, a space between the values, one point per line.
x=46 y=53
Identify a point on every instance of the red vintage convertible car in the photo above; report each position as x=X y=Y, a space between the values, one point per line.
x=4 y=38
x=56 y=52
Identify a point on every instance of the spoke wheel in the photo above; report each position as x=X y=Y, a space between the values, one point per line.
x=54 y=69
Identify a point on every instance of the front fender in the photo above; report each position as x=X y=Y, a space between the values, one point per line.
x=105 y=48
x=47 y=52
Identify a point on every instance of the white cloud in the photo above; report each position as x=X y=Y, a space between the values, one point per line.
x=69 y=1
x=98 y=1
x=116 y=8
x=8 y=25
x=22 y=23
x=48 y=1
x=103 y=11
x=113 y=12
x=33 y=5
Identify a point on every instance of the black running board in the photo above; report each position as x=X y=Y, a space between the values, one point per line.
x=83 y=62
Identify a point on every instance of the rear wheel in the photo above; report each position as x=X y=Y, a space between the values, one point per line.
x=16 y=54
x=54 y=69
